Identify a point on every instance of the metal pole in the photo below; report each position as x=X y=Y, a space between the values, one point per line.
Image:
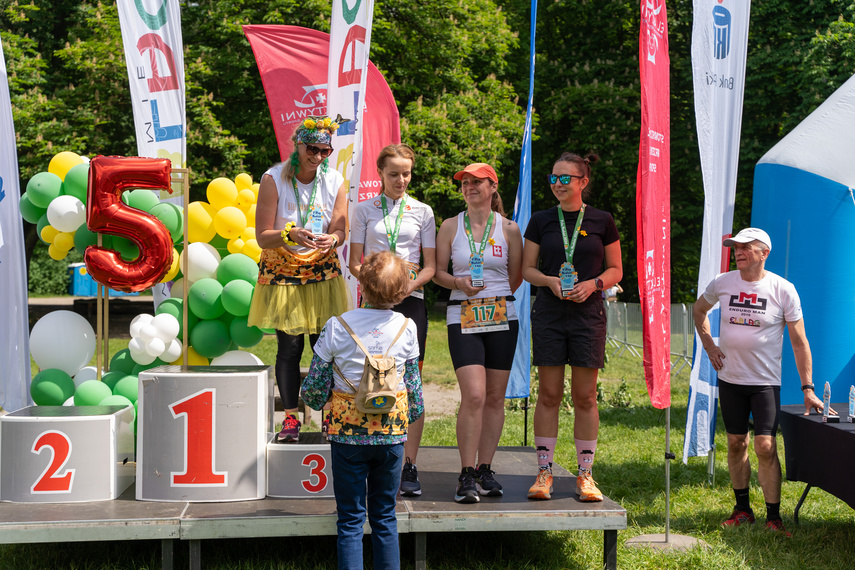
x=525 y=427
x=668 y=456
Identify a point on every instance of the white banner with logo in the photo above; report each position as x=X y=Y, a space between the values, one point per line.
x=719 y=51
x=154 y=54
x=14 y=313
x=350 y=39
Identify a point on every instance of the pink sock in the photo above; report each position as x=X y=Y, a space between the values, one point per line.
x=585 y=453
x=545 y=450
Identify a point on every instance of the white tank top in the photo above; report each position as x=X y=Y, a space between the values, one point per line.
x=495 y=267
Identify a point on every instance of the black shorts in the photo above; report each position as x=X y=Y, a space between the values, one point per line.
x=564 y=332
x=493 y=350
x=414 y=308
x=738 y=401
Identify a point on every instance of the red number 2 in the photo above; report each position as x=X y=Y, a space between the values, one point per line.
x=317 y=463
x=199 y=411
x=60 y=447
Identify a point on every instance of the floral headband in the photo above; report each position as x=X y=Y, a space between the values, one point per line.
x=318 y=129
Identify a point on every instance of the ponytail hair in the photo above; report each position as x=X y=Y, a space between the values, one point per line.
x=496 y=203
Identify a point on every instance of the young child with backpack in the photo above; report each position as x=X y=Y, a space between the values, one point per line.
x=366 y=363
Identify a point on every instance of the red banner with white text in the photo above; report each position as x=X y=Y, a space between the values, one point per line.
x=653 y=201
x=292 y=62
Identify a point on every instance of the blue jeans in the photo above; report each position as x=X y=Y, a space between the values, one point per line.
x=380 y=466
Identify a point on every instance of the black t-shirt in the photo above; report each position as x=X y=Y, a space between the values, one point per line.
x=600 y=231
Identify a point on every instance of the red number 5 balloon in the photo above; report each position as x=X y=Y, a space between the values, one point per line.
x=109 y=176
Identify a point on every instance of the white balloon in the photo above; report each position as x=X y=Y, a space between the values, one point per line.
x=172 y=352
x=203 y=261
x=64 y=340
x=167 y=326
x=143 y=359
x=155 y=347
x=148 y=332
x=139 y=322
x=66 y=213
x=236 y=358
x=86 y=373
x=69 y=402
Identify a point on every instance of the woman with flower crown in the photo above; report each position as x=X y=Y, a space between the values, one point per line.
x=485 y=250
x=301 y=219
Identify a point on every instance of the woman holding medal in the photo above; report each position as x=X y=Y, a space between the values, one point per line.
x=397 y=222
x=571 y=254
x=485 y=250
x=301 y=218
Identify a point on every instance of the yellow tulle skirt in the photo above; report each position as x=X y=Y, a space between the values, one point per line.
x=298 y=309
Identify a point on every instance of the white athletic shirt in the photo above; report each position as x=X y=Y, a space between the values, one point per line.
x=753 y=317
x=376 y=328
x=495 y=267
x=418 y=229
x=286 y=210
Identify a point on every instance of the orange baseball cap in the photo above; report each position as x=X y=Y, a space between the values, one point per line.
x=478 y=170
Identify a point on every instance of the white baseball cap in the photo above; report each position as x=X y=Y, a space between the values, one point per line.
x=749 y=235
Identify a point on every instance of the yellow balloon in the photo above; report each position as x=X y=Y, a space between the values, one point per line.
x=200 y=222
x=222 y=193
x=255 y=188
x=230 y=222
x=64 y=241
x=193 y=359
x=248 y=234
x=250 y=216
x=245 y=199
x=173 y=269
x=235 y=245
x=49 y=233
x=63 y=162
x=251 y=250
x=243 y=180
x=56 y=253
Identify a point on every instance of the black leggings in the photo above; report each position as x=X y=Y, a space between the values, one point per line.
x=288 y=366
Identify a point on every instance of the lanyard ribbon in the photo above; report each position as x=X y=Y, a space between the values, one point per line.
x=487 y=229
x=392 y=236
x=311 y=199
x=570 y=246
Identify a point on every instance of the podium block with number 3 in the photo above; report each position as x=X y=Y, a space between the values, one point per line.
x=66 y=454
x=202 y=431
x=299 y=471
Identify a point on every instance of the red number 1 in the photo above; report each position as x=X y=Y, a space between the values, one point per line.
x=199 y=411
x=60 y=448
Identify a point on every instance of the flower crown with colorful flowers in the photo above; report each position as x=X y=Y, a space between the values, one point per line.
x=318 y=129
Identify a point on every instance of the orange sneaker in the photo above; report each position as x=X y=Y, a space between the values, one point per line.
x=586 y=487
x=542 y=488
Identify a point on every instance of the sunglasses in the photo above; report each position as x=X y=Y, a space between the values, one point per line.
x=564 y=178
x=312 y=150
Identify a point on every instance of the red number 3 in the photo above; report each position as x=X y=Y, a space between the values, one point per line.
x=109 y=176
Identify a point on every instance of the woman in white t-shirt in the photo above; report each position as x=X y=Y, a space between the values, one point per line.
x=485 y=250
x=301 y=219
x=395 y=221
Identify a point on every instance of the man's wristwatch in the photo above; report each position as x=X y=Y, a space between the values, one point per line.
x=599 y=283
x=808 y=387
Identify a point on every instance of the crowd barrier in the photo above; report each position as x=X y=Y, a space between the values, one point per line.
x=625 y=333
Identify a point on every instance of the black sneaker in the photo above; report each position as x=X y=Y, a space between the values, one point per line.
x=410 y=486
x=467 y=492
x=487 y=486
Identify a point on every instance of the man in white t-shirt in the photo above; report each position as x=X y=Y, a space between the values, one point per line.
x=755 y=307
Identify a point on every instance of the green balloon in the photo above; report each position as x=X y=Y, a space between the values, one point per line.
x=126 y=248
x=43 y=188
x=84 y=237
x=210 y=338
x=128 y=387
x=112 y=378
x=237 y=295
x=244 y=335
x=173 y=307
x=76 y=182
x=227 y=319
x=122 y=362
x=268 y=331
x=117 y=400
x=90 y=393
x=29 y=211
x=141 y=199
x=40 y=225
x=205 y=298
x=237 y=266
x=143 y=367
x=51 y=387
x=170 y=216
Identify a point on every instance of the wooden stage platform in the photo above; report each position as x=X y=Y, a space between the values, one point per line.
x=434 y=511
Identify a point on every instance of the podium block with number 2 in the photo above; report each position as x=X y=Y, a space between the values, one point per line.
x=201 y=433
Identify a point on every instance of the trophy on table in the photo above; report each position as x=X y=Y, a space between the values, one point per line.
x=851 y=417
x=827 y=416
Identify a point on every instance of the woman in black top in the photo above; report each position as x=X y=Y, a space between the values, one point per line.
x=571 y=261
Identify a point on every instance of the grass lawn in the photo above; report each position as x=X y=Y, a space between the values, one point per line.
x=629 y=469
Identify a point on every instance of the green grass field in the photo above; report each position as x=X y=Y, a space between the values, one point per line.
x=629 y=469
